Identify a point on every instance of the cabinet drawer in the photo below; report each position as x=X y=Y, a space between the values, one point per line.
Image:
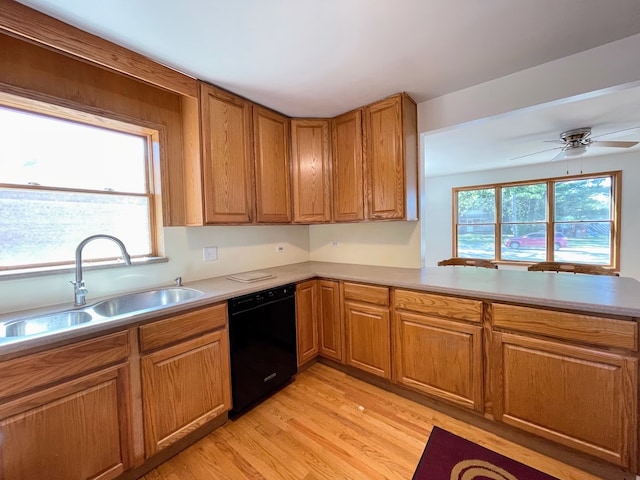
x=178 y=328
x=607 y=332
x=366 y=293
x=439 y=305
x=25 y=373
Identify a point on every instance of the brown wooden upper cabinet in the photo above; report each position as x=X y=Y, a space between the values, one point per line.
x=359 y=166
x=273 y=178
x=311 y=162
x=348 y=174
x=218 y=158
x=390 y=159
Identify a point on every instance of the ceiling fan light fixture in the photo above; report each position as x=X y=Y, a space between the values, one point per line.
x=576 y=151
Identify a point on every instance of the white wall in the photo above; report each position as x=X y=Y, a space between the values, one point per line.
x=592 y=72
x=394 y=244
x=239 y=249
x=437 y=216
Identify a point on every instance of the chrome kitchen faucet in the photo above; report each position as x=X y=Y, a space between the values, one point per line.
x=79 y=290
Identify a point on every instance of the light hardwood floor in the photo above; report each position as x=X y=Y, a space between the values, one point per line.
x=329 y=425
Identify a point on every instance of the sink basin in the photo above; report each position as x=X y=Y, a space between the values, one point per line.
x=122 y=305
x=44 y=323
x=137 y=302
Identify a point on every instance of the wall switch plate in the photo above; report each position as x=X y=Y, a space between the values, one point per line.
x=210 y=254
x=280 y=249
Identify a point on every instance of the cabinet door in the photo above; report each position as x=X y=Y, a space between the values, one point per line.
x=307 y=321
x=330 y=321
x=273 y=178
x=441 y=358
x=311 y=171
x=74 y=431
x=227 y=157
x=391 y=158
x=384 y=159
x=582 y=398
x=348 y=180
x=184 y=387
x=368 y=338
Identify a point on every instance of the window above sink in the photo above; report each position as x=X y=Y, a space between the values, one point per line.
x=71 y=175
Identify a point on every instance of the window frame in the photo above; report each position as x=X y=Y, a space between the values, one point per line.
x=550 y=223
x=44 y=105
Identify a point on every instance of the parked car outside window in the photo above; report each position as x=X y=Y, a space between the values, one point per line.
x=536 y=239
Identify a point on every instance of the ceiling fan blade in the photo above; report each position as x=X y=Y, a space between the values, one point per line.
x=603 y=143
x=561 y=156
x=616 y=132
x=536 y=153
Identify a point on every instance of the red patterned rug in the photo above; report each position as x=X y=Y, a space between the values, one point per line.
x=449 y=457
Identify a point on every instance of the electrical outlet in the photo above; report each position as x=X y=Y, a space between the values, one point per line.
x=210 y=254
x=280 y=248
x=335 y=243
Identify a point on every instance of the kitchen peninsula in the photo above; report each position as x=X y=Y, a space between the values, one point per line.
x=553 y=355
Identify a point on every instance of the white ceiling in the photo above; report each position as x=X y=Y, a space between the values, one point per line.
x=496 y=142
x=324 y=57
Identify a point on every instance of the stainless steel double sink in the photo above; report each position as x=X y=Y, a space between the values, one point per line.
x=116 y=307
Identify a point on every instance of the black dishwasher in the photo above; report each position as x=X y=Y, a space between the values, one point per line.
x=262 y=335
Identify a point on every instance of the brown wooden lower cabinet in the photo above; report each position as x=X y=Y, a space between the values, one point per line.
x=184 y=387
x=74 y=430
x=368 y=333
x=330 y=326
x=441 y=358
x=307 y=320
x=579 y=397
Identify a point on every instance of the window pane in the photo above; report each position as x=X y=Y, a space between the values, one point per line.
x=477 y=206
x=588 y=242
x=476 y=223
x=524 y=242
x=524 y=203
x=476 y=241
x=38 y=227
x=585 y=199
x=41 y=150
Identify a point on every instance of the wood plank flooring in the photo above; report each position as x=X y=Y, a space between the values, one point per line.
x=329 y=425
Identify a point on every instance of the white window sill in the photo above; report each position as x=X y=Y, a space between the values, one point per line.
x=86 y=266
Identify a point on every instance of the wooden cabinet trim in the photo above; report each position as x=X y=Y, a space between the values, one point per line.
x=45 y=368
x=366 y=293
x=34 y=26
x=600 y=331
x=439 y=305
x=181 y=327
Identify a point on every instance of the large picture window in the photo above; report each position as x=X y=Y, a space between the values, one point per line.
x=62 y=180
x=571 y=219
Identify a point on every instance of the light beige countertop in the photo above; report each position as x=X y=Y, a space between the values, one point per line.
x=595 y=294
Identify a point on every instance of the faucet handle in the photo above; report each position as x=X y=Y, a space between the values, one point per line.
x=79 y=287
x=178 y=281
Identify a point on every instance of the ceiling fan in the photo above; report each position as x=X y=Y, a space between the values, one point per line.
x=576 y=142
